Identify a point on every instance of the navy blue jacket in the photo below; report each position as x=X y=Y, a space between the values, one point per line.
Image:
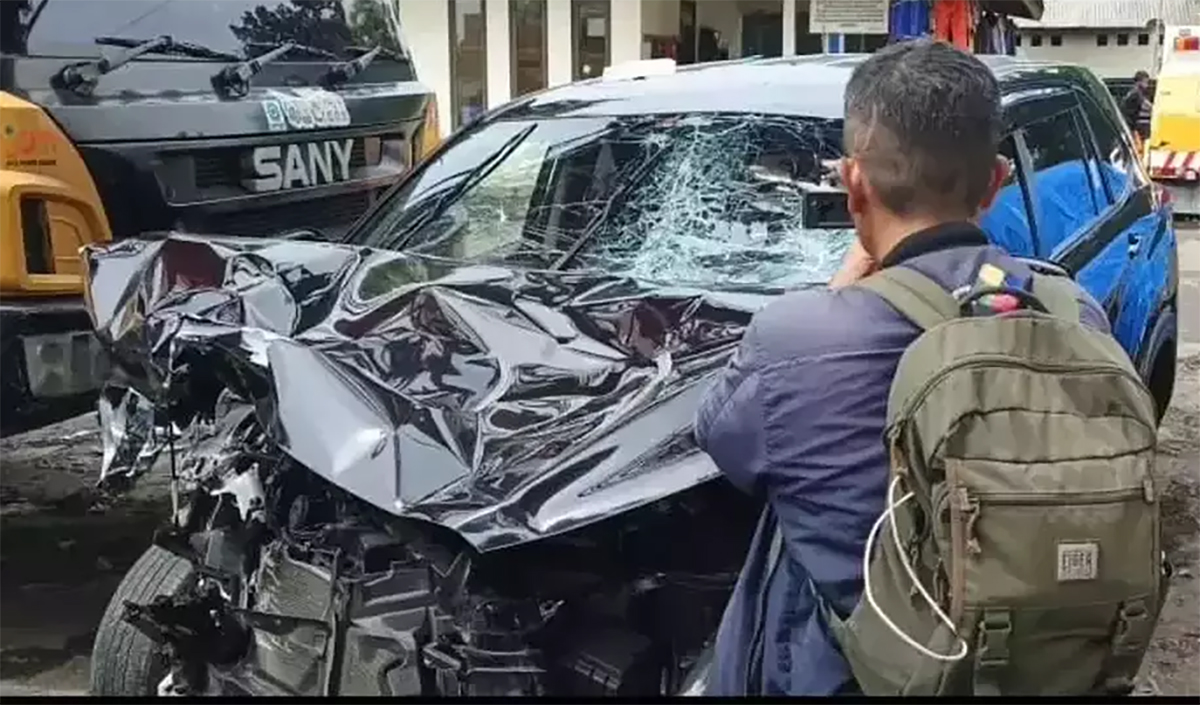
x=798 y=417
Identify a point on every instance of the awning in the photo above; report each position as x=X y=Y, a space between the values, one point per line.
x=1029 y=9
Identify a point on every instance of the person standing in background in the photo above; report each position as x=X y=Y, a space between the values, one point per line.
x=1136 y=107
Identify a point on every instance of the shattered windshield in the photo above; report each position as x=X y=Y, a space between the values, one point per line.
x=700 y=200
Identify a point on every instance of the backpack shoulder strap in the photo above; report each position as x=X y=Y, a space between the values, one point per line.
x=1058 y=295
x=919 y=298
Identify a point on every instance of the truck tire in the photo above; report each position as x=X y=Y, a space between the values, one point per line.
x=124 y=661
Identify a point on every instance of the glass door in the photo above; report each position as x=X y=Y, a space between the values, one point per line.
x=468 y=60
x=527 y=37
x=687 y=32
x=591 y=37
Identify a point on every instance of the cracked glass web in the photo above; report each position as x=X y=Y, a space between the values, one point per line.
x=707 y=201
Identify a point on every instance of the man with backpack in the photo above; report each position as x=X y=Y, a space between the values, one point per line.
x=964 y=428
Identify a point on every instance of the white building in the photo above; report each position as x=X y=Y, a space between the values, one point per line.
x=478 y=54
x=1115 y=38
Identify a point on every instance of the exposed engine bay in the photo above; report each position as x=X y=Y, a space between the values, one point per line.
x=302 y=589
x=318 y=569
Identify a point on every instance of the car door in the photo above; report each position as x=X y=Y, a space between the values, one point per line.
x=1077 y=224
x=1142 y=244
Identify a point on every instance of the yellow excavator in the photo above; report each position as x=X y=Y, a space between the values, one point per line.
x=231 y=117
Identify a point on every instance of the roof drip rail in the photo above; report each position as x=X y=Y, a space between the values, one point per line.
x=726 y=62
x=642 y=68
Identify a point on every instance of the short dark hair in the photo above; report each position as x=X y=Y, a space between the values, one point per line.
x=923 y=120
x=1141 y=76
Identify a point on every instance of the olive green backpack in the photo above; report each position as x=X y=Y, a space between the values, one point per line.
x=1020 y=551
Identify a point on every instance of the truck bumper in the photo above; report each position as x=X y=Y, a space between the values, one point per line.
x=51 y=365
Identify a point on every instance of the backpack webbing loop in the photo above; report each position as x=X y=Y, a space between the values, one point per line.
x=1134 y=628
x=991 y=651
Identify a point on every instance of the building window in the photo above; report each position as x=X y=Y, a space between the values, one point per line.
x=1101 y=40
x=468 y=60
x=1143 y=40
x=806 y=42
x=1122 y=40
x=1055 y=40
x=527 y=39
x=862 y=43
x=590 y=37
x=1035 y=40
x=1016 y=40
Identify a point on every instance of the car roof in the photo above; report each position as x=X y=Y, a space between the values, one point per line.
x=809 y=85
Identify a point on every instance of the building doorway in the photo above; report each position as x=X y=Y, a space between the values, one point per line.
x=762 y=34
x=591 y=33
x=687 y=32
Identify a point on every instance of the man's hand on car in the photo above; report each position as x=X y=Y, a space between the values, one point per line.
x=857 y=265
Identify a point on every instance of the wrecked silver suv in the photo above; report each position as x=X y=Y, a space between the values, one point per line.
x=453 y=455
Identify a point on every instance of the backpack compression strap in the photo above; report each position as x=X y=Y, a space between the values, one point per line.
x=1058 y=295
x=919 y=298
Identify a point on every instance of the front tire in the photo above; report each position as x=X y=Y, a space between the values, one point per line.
x=126 y=662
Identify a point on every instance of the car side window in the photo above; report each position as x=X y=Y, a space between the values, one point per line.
x=1117 y=166
x=1062 y=182
x=1008 y=222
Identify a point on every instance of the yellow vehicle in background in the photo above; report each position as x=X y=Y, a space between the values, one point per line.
x=49 y=208
x=1173 y=150
x=122 y=117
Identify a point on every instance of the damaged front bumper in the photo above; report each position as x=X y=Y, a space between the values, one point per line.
x=394 y=476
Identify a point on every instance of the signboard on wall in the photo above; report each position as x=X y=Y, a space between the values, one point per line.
x=848 y=17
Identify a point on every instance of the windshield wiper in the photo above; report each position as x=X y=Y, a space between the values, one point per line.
x=383 y=51
x=363 y=57
x=234 y=81
x=615 y=201
x=309 y=49
x=172 y=46
x=82 y=77
x=340 y=73
x=473 y=177
x=33 y=18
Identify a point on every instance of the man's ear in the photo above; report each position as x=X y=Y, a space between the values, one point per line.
x=855 y=184
x=1000 y=171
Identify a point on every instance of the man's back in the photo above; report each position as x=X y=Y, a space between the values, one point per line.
x=800 y=418
x=1135 y=107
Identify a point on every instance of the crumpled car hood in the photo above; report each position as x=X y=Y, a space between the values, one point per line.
x=506 y=405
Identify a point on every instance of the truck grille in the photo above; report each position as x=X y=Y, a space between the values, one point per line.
x=331 y=215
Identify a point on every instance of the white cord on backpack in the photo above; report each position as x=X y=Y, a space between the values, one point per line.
x=889 y=513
